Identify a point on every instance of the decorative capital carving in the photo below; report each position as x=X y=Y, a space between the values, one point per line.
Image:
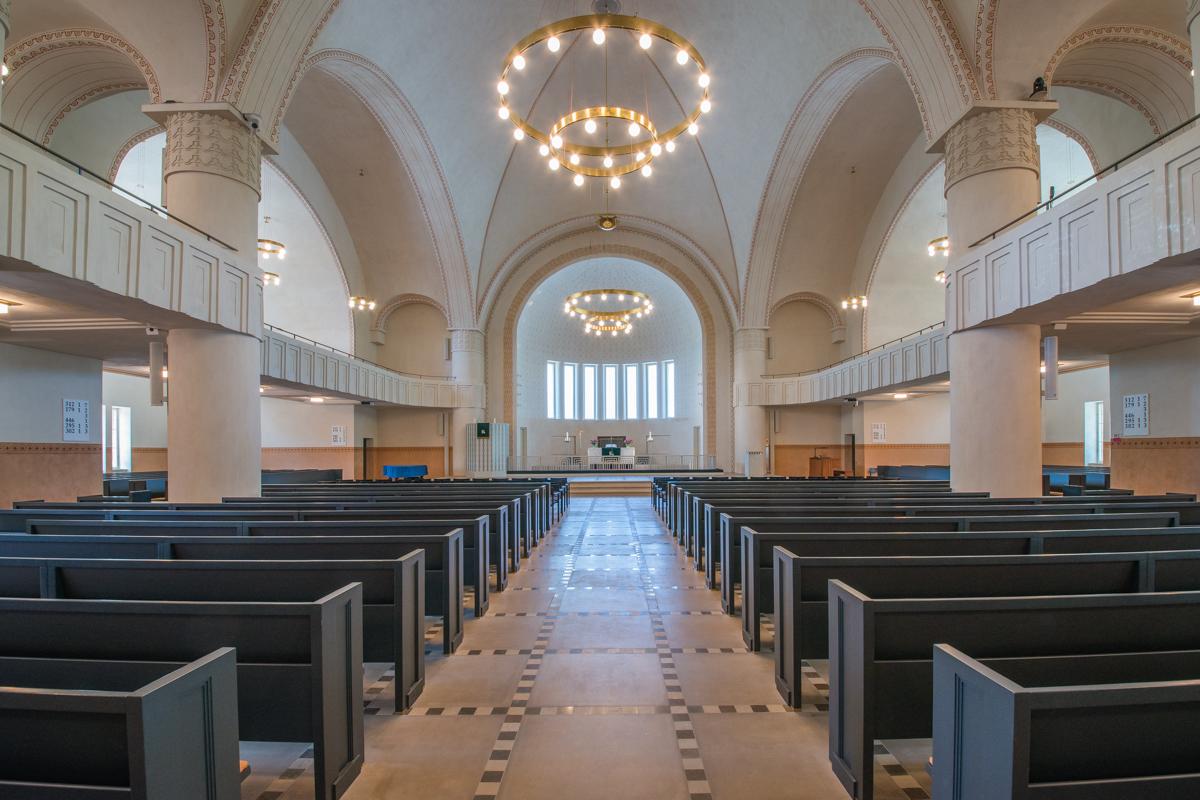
x=1005 y=138
x=199 y=141
x=745 y=339
x=466 y=340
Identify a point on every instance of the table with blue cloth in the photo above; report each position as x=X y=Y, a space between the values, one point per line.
x=407 y=472
x=610 y=450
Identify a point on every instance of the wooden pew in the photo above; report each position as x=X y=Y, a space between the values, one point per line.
x=881 y=653
x=1101 y=727
x=801 y=586
x=393 y=612
x=299 y=665
x=236 y=541
x=754 y=567
x=86 y=729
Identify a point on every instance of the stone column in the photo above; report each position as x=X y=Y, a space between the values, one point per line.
x=1193 y=27
x=466 y=364
x=214 y=433
x=992 y=170
x=749 y=421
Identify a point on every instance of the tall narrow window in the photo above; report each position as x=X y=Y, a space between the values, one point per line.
x=610 y=391
x=569 y=409
x=631 y=391
x=589 y=391
x=669 y=389
x=1093 y=432
x=551 y=390
x=122 y=440
x=652 y=390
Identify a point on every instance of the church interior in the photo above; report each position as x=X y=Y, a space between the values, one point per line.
x=661 y=399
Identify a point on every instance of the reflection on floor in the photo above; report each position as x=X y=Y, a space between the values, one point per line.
x=605 y=670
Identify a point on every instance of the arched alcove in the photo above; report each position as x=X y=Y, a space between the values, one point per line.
x=547 y=341
x=413 y=337
x=801 y=336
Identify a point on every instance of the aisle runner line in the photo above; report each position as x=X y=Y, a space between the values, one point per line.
x=681 y=717
x=514 y=715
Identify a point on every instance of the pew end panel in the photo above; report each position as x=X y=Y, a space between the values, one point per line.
x=851 y=689
x=787 y=627
x=409 y=637
x=338 y=689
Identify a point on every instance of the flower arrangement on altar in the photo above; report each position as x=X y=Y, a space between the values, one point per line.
x=627 y=442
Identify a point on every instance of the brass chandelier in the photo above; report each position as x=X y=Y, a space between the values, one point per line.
x=597 y=321
x=630 y=140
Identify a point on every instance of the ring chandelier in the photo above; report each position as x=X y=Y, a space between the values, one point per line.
x=597 y=322
x=564 y=145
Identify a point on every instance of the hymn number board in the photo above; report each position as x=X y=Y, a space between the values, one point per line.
x=1136 y=415
x=76 y=426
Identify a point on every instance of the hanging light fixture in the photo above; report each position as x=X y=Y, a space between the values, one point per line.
x=630 y=305
x=269 y=248
x=361 y=303
x=940 y=246
x=270 y=278
x=569 y=140
x=854 y=303
x=940 y=276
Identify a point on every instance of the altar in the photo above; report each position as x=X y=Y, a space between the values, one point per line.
x=609 y=455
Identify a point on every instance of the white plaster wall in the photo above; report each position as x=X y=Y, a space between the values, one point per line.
x=409 y=427
x=809 y=424
x=544 y=333
x=1168 y=374
x=94 y=133
x=133 y=392
x=288 y=423
x=1062 y=419
x=33 y=384
x=923 y=419
x=1064 y=161
x=1113 y=128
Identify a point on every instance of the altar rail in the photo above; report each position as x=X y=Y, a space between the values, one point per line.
x=579 y=463
x=291 y=360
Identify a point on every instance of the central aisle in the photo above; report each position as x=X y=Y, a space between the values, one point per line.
x=605 y=670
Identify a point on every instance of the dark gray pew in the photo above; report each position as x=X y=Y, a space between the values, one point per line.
x=299 y=665
x=393 y=612
x=881 y=653
x=1101 y=727
x=87 y=730
x=238 y=541
x=801 y=587
x=746 y=571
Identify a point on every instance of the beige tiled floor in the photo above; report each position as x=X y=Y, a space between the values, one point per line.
x=597 y=723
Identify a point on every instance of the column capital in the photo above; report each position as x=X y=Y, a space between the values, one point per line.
x=749 y=339
x=211 y=138
x=993 y=139
x=468 y=340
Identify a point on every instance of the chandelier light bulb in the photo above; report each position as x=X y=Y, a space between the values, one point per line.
x=629 y=329
x=693 y=129
x=578 y=180
x=590 y=126
x=552 y=44
x=502 y=88
x=681 y=57
x=574 y=159
x=556 y=141
x=282 y=254
x=639 y=155
x=634 y=129
x=553 y=164
x=614 y=333
x=519 y=62
x=647 y=171
x=671 y=146
x=704 y=80
x=638 y=315
x=598 y=36
x=705 y=106
x=621 y=298
x=503 y=112
x=604 y=296
x=587 y=298
x=645 y=41
x=615 y=182
x=518 y=134
x=598 y=333
x=608 y=162
x=656 y=149
x=543 y=149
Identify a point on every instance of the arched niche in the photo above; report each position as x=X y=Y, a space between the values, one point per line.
x=410 y=335
x=804 y=334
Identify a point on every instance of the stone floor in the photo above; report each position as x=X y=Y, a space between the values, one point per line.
x=605 y=670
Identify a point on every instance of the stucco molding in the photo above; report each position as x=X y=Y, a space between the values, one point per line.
x=812 y=298
x=985 y=40
x=214 y=35
x=1005 y=138
x=1144 y=36
x=199 y=141
x=27 y=50
x=466 y=340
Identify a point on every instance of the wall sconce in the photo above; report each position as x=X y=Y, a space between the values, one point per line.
x=940 y=246
x=854 y=303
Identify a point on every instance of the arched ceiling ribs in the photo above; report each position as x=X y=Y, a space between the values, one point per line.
x=631 y=226
x=929 y=52
x=399 y=121
x=215 y=33
x=985 y=39
x=270 y=60
x=1140 y=36
x=397 y=302
x=23 y=55
x=804 y=131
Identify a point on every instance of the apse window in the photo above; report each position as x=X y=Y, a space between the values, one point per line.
x=651 y=390
x=611 y=410
x=551 y=390
x=569 y=409
x=669 y=389
x=1093 y=432
x=631 y=391
x=589 y=391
